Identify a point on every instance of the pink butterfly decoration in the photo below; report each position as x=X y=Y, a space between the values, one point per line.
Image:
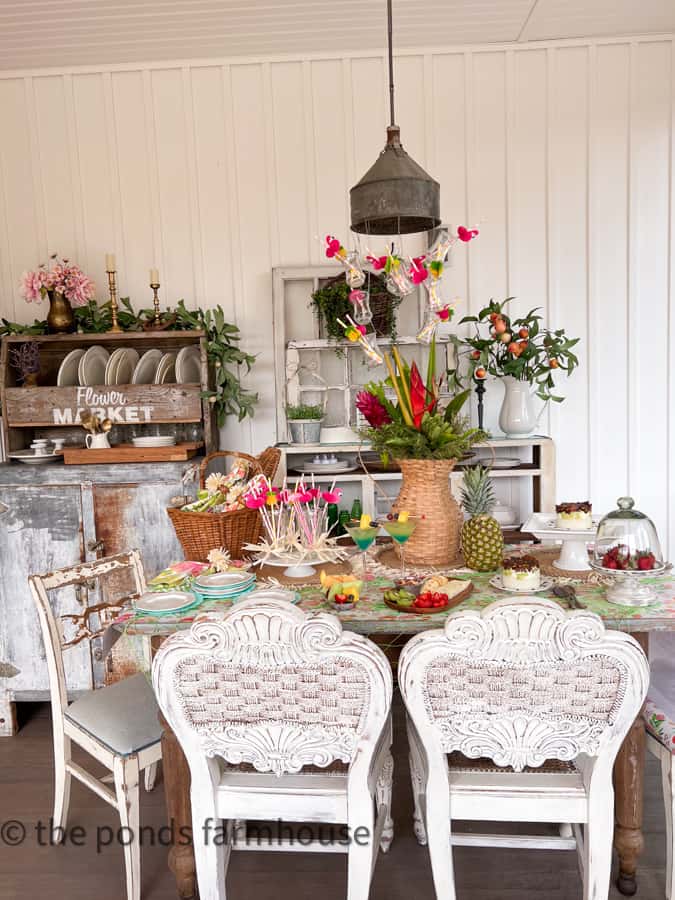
x=466 y=234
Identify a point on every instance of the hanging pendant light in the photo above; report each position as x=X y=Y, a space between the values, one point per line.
x=395 y=196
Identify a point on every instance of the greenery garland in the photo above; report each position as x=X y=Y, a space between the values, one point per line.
x=222 y=339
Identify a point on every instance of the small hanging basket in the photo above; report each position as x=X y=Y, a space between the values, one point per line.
x=201 y=532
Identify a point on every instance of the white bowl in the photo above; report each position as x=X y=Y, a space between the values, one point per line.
x=338 y=434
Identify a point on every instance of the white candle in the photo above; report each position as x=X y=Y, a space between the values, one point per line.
x=154 y=276
x=110 y=262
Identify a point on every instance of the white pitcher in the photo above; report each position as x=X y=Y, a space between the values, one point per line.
x=98 y=441
x=517 y=417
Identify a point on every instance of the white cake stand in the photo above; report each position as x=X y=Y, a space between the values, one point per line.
x=573 y=553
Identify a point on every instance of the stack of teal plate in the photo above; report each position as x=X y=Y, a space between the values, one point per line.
x=223 y=585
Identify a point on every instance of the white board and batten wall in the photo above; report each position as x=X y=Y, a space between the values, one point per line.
x=218 y=171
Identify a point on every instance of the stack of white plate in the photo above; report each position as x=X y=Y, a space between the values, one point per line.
x=223 y=585
x=163 y=440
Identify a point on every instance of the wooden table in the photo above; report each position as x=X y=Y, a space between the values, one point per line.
x=372 y=617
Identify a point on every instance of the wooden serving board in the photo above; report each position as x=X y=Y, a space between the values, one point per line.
x=454 y=601
x=79 y=456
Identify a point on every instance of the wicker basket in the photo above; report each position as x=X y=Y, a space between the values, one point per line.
x=201 y=532
x=425 y=494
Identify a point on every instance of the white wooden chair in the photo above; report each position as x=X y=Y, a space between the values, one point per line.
x=266 y=703
x=515 y=686
x=659 y=715
x=117 y=725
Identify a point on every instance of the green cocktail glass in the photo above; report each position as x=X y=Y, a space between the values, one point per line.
x=363 y=538
x=400 y=532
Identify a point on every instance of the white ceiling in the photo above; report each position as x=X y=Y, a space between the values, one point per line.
x=35 y=33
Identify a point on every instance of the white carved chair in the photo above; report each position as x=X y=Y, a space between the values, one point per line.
x=282 y=716
x=118 y=725
x=659 y=715
x=524 y=685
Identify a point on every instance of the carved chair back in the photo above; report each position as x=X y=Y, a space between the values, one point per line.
x=118 y=578
x=523 y=682
x=274 y=687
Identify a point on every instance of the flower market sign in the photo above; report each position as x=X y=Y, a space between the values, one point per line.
x=135 y=404
x=113 y=405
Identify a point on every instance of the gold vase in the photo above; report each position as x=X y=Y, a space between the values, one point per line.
x=60 y=318
x=425 y=494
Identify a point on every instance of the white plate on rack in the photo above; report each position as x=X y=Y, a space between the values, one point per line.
x=67 y=375
x=121 y=366
x=546 y=585
x=189 y=365
x=499 y=462
x=146 y=367
x=92 y=366
x=166 y=370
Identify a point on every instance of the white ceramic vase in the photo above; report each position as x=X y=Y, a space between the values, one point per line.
x=517 y=418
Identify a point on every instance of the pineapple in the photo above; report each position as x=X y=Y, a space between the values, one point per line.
x=482 y=538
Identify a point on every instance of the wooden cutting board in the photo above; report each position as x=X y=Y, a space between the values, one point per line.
x=80 y=456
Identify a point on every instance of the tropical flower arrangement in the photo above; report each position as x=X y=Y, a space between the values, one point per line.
x=518 y=347
x=295 y=521
x=60 y=276
x=416 y=425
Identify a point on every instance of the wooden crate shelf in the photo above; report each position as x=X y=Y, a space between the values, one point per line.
x=27 y=411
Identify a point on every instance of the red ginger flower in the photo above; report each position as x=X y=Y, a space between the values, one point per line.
x=371 y=408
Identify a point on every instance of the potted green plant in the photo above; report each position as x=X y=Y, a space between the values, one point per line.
x=523 y=355
x=331 y=302
x=304 y=422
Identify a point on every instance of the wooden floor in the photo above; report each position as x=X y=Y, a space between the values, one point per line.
x=30 y=871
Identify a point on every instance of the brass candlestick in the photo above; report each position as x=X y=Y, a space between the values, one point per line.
x=157 y=321
x=112 y=287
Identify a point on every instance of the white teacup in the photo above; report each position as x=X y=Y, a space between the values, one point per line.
x=58 y=444
x=97 y=441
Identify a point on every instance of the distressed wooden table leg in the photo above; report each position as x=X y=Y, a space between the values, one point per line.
x=628 y=786
x=177 y=791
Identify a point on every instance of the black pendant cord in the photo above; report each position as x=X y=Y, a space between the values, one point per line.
x=392 y=118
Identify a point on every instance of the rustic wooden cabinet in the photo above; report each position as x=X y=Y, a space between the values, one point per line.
x=56 y=515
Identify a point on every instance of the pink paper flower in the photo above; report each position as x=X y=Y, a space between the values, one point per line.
x=32 y=284
x=332 y=496
x=377 y=262
x=466 y=234
x=333 y=247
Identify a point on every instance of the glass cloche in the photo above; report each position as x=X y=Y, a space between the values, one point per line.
x=627 y=547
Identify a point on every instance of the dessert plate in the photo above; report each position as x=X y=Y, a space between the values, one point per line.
x=92 y=366
x=67 y=375
x=146 y=367
x=188 y=366
x=545 y=585
x=164 y=602
x=324 y=468
x=168 y=441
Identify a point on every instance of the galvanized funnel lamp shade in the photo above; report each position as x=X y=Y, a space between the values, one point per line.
x=395 y=196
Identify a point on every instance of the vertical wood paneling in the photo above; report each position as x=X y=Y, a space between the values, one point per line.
x=568 y=305
x=96 y=179
x=651 y=119
x=212 y=164
x=178 y=263
x=54 y=161
x=608 y=270
x=562 y=155
x=22 y=249
x=136 y=254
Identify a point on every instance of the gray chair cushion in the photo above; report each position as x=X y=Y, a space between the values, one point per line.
x=123 y=717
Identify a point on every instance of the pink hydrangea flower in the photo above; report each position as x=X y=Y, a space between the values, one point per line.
x=32 y=284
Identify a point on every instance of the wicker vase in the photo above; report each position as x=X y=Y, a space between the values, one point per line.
x=425 y=491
